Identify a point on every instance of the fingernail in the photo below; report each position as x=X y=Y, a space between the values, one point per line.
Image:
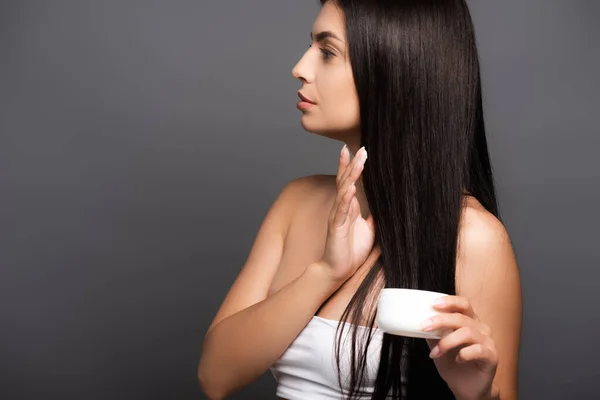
x=426 y=325
x=434 y=352
x=343 y=150
x=359 y=157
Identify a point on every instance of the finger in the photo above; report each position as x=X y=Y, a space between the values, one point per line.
x=477 y=352
x=451 y=321
x=338 y=213
x=354 y=209
x=356 y=164
x=455 y=303
x=349 y=180
x=348 y=168
x=342 y=164
x=343 y=207
x=432 y=342
x=462 y=337
x=341 y=197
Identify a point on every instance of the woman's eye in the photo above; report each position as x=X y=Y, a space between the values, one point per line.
x=326 y=54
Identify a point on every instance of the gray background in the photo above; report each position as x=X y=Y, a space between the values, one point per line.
x=142 y=143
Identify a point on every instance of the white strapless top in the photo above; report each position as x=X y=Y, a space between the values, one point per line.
x=308 y=371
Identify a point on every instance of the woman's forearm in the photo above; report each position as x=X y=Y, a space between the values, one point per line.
x=241 y=347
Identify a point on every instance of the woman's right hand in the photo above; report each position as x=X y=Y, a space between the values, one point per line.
x=350 y=237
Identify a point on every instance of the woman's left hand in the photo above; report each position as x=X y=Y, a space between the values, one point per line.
x=466 y=358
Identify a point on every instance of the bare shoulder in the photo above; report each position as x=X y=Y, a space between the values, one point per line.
x=485 y=249
x=312 y=184
x=306 y=192
x=480 y=227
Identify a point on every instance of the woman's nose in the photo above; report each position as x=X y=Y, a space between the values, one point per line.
x=300 y=70
x=296 y=71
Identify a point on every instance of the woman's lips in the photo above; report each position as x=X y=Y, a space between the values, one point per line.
x=304 y=102
x=303 y=105
x=304 y=98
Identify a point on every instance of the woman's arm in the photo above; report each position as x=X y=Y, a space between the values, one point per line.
x=243 y=346
x=479 y=359
x=491 y=280
x=250 y=331
x=488 y=276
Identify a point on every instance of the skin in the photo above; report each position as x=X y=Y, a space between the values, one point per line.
x=478 y=359
x=326 y=76
x=486 y=314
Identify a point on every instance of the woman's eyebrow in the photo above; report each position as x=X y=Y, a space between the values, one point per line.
x=319 y=37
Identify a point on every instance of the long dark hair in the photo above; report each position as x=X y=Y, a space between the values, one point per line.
x=416 y=71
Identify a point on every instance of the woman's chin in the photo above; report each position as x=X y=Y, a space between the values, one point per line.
x=310 y=126
x=336 y=133
x=328 y=133
x=314 y=128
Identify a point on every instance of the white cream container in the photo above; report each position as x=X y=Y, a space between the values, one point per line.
x=401 y=312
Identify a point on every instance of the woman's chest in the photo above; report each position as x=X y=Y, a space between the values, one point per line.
x=304 y=244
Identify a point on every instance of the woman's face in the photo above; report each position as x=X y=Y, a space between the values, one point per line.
x=327 y=80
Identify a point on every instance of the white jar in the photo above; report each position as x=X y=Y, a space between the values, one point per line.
x=401 y=312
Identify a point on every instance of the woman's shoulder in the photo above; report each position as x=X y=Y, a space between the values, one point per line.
x=478 y=225
x=309 y=189
x=310 y=184
x=305 y=195
x=484 y=248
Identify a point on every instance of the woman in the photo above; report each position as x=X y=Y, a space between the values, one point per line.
x=399 y=79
